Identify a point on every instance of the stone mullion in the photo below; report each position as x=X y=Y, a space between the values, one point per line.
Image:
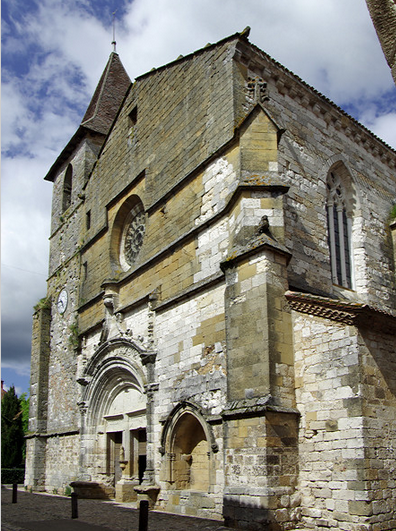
x=126 y=442
x=134 y=456
x=333 y=254
x=344 y=278
x=351 y=264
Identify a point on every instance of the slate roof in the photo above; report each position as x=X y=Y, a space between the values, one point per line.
x=107 y=97
x=102 y=109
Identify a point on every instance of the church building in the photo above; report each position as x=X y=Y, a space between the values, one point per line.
x=218 y=334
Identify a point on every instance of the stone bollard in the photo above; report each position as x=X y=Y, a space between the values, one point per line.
x=14 y=493
x=143 y=515
x=74 y=506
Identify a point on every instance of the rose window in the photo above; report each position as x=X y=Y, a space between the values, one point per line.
x=132 y=236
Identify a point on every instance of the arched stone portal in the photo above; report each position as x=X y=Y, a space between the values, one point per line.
x=114 y=418
x=190 y=455
x=188 y=446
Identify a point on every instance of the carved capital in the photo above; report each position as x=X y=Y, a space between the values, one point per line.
x=148 y=357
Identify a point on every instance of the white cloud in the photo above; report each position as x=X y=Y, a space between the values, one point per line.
x=383 y=126
x=331 y=44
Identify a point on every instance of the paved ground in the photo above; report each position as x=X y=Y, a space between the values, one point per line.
x=42 y=512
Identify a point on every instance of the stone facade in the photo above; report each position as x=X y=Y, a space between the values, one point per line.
x=194 y=348
x=383 y=15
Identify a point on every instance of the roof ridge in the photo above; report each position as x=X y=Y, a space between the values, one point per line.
x=242 y=34
x=107 y=97
x=101 y=84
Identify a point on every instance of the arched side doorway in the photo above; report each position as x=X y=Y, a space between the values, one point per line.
x=114 y=428
x=190 y=455
x=188 y=446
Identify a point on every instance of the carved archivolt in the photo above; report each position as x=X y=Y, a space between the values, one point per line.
x=117 y=365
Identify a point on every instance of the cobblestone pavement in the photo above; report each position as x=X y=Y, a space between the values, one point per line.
x=43 y=512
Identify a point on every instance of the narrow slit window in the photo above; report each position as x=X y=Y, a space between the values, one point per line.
x=88 y=219
x=133 y=117
x=67 y=188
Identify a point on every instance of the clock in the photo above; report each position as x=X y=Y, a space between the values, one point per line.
x=62 y=301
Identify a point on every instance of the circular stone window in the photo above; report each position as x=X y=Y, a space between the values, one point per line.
x=132 y=236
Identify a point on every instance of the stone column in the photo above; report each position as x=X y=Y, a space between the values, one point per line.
x=83 y=476
x=148 y=490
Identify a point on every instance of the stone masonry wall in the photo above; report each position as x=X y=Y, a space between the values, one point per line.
x=38 y=407
x=66 y=227
x=40 y=357
x=191 y=366
x=217 y=321
x=309 y=148
x=341 y=459
x=63 y=456
x=379 y=409
x=62 y=385
x=317 y=136
x=191 y=361
x=172 y=135
x=261 y=470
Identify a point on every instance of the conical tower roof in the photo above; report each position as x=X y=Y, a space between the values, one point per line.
x=102 y=109
x=107 y=97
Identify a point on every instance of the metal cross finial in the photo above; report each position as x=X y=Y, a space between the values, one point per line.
x=114 y=41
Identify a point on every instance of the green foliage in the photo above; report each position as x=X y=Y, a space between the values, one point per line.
x=24 y=399
x=393 y=212
x=9 y=476
x=74 y=339
x=25 y=418
x=68 y=491
x=12 y=436
x=43 y=304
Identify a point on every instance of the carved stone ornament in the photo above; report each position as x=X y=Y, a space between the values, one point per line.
x=132 y=236
x=257 y=90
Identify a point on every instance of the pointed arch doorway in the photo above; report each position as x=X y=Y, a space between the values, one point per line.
x=114 y=428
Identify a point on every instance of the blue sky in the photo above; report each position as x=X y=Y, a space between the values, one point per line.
x=53 y=54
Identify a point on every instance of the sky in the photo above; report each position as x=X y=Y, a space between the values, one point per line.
x=53 y=54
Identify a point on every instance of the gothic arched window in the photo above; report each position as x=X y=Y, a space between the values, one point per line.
x=67 y=188
x=339 y=232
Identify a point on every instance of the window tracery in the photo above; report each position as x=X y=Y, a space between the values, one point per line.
x=339 y=232
x=132 y=236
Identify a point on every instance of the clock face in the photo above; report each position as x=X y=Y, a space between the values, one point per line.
x=62 y=301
